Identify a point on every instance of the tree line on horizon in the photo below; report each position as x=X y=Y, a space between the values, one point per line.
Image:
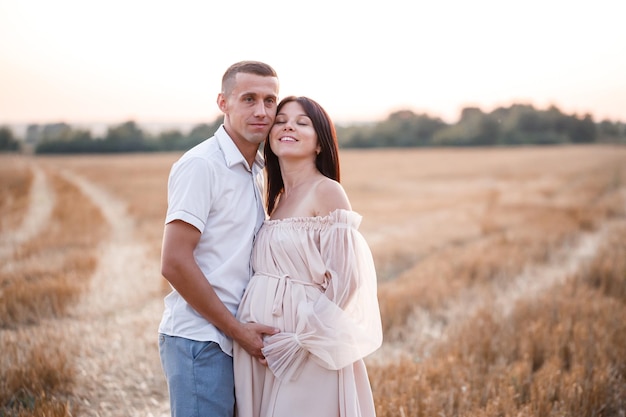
x=519 y=124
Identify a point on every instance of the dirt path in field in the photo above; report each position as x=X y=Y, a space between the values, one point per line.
x=116 y=322
x=428 y=329
x=41 y=197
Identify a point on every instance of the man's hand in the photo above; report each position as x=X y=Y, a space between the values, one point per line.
x=251 y=339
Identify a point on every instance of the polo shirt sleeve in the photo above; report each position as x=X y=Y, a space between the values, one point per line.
x=190 y=191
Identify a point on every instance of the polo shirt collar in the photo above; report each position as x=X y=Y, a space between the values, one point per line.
x=232 y=155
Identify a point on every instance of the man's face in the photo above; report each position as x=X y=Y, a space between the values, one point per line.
x=250 y=108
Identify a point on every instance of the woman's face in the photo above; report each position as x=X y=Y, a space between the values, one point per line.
x=293 y=135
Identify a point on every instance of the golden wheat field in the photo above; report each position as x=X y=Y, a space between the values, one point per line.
x=502 y=281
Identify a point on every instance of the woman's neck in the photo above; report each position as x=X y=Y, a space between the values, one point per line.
x=297 y=174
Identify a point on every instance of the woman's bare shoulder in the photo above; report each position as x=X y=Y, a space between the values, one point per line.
x=330 y=196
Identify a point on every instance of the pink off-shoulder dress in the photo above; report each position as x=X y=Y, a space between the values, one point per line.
x=314 y=279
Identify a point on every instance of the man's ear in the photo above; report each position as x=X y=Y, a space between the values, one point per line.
x=221 y=102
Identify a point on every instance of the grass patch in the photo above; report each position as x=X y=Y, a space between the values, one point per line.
x=563 y=353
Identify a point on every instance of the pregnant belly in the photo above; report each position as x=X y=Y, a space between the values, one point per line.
x=258 y=296
x=274 y=301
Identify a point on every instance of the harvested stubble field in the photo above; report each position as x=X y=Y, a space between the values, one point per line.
x=502 y=281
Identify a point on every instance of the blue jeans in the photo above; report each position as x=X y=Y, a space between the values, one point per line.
x=199 y=377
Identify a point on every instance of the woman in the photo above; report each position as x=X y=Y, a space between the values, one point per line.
x=314 y=279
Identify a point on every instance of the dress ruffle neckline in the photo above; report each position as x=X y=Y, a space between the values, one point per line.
x=336 y=216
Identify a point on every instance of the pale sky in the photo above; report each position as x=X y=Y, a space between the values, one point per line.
x=83 y=61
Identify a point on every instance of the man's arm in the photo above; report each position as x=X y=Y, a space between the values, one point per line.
x=179 y=267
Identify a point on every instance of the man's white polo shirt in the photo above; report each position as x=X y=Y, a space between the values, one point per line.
x=213 y=188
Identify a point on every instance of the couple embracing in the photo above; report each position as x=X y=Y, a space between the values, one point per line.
x=273 y=304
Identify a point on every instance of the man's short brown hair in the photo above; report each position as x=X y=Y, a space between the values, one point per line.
x=247 y=67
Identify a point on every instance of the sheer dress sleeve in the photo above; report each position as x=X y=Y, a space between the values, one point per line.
x=343 y=325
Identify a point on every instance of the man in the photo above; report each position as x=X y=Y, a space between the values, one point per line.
x=214 y=210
